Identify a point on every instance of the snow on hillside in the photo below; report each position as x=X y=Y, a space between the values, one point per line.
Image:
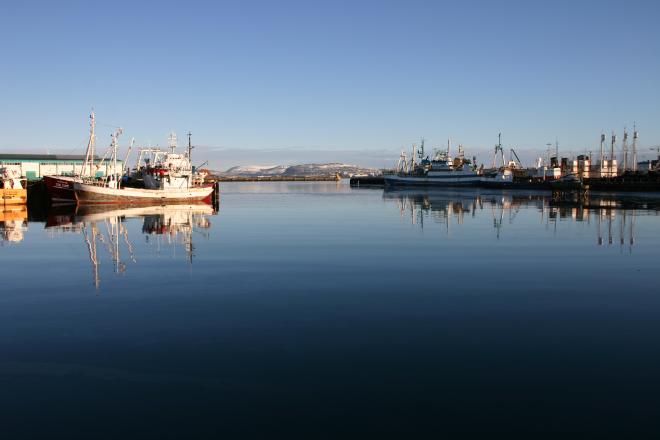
x=255 y=170
x=311 y=169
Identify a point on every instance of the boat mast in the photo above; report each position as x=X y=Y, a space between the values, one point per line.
x=624 y=147
x=89 y=154
x=634 y=147
x=612 y=155
x=190 y=147
x=172 y=141
x=114 y=162
x=411 y=165
x=114 y=155
x=602 y=144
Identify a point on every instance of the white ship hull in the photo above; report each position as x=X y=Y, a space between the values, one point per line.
x=93 y=194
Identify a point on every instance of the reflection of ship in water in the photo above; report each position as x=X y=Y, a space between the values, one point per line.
x=173 y=224
x=13 y=223
x=613 y=216
x=453 y=206
x=104 y=227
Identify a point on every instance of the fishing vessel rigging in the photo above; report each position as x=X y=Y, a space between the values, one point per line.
x=169 y=180
x=443 y=170
x=164 y=177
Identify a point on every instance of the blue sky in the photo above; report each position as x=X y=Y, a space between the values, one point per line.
x=283 y=82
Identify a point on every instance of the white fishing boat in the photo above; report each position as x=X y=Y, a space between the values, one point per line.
x=169 y=180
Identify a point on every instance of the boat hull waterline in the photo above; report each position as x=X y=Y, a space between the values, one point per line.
x=86 y=194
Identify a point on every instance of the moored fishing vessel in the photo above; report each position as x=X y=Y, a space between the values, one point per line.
x=442 y=170
x=170 y=180
x=445 y=171
x=13 y=188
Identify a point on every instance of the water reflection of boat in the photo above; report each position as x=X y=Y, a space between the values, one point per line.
x=13 y=223
x=454 y=206
x=104 y=226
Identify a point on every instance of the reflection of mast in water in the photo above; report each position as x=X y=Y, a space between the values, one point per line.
x=626 y=224
x=112 y=227
x=632 y=226
x=129 y=245
x=442 y=205
x=622 y=227
x=175 y=226
x=630 y=229
x=497 y=222
x=91 y=247
x=174 y=223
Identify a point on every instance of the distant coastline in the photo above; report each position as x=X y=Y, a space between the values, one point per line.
x=310 y=171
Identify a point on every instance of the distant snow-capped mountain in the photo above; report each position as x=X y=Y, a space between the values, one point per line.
x=255 y=170
x=310 y=169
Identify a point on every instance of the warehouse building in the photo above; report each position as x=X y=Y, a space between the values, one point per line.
x=35 y=166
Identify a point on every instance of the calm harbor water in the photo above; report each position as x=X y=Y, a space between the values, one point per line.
x=320 y=310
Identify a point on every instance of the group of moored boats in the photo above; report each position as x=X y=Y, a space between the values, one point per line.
x=159 y=177
x=444 y=170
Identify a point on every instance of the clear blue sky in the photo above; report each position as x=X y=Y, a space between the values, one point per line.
x=359 y=78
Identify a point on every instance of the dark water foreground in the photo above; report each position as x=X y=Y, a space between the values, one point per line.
x=313 y=310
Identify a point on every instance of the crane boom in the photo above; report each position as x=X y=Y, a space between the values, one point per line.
x=516 y=156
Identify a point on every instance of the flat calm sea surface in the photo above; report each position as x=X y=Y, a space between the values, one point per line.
x=317 y=310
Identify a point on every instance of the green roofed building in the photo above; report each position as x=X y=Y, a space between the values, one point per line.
x=35 y=166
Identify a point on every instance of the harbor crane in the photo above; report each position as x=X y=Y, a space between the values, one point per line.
x=128 y=152
x=513 y=152
x=498 y=148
